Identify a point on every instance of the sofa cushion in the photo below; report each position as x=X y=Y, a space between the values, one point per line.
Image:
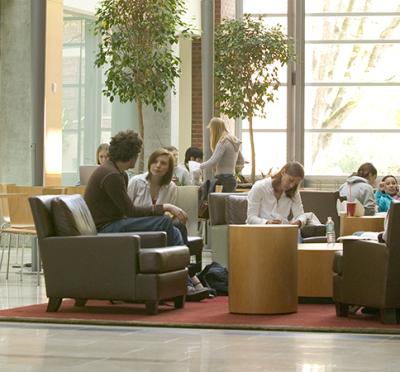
x=71 y=216
x=236 y=209
x=163 y=260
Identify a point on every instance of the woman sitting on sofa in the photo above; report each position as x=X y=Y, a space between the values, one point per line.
x=359 y=186
x=276 y=200
x=156 y=187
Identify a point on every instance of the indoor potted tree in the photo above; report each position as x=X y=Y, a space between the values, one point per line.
x=247 y=56
x=136 y=48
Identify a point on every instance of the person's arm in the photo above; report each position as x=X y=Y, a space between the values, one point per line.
x=369 y=201
x=215 y=157
x=172 y=193
x=114 y=187
x=298 y=210
x=254 y=202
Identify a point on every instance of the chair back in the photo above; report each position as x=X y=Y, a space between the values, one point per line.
x=187 y=199
x=70 y=190
x=18 y=205
x=226 y=208
x=322 y=204
x=41 y=212
x=393 y=242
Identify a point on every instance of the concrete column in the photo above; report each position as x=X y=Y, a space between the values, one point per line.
x=38 y=56
x=15 y=92
x=207 y=73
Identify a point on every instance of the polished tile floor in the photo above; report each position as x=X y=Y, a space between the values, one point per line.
x=43 y=347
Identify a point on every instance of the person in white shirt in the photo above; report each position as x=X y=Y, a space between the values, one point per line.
x=155 y=186
x=180 y=175
x=276 y=199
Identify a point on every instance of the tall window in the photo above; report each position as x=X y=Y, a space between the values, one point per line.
x=270 y=133
x=352 y=84
x=86 y=114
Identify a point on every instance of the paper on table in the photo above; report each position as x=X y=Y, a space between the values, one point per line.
x=367 y=235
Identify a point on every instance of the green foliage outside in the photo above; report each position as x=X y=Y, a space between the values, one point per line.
x=136 y=48
x=248 y=55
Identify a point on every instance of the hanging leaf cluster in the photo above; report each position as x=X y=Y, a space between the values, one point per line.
x=247 y=59
x=136 y=48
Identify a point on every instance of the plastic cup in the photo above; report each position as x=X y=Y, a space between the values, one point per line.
x=351 y=209
x=218 y=188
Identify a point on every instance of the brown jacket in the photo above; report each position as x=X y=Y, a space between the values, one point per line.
x=108 y=200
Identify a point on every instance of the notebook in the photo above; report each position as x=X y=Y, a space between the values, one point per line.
x=85 y=171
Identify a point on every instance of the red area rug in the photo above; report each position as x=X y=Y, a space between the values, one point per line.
x=212 y=313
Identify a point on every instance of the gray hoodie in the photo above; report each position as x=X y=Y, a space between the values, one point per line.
x=224 y=156
x=360 y=190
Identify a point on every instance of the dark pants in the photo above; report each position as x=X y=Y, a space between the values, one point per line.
x=153 y=223
x=228 y=182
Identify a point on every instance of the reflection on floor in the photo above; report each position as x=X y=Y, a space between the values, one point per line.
x=43 y=347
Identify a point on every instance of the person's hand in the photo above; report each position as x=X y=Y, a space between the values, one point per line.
x=297 y=223
x=274 y=221
x=177 y=212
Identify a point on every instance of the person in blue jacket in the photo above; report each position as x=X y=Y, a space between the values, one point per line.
x=388 y=191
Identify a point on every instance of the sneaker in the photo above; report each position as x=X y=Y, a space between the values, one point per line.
x=194 y=294
x=370 y=310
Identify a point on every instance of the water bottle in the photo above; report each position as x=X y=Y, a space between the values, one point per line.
x=330 y=232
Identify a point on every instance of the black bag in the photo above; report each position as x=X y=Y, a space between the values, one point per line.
x=215 y=276
x=205 y=188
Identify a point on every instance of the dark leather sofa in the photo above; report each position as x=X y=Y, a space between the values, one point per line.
x=81 y=264
x=367 y=273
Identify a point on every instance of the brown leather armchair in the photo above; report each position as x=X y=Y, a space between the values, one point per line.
x=368 y=273
x=78 y=263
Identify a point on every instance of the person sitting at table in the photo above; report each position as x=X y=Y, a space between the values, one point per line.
x=102 y=153
x=387 y=192
x=359 y=186
x=180 y=175
x=276 y=199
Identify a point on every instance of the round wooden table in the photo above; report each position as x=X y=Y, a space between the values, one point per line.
x=263 y=269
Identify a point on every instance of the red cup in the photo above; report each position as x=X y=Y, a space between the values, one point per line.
x=351 y=209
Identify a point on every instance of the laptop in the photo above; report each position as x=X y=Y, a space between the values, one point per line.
x=85 y=171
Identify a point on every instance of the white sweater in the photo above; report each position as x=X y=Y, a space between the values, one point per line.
x=263 y=206
x=139 y=192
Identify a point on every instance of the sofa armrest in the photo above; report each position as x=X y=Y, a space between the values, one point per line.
x=364 y=267
x=148 y=239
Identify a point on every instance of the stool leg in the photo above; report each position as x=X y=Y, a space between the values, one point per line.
x=8 y=257
x=39 y=266
x=2 y=251
x=22 y=258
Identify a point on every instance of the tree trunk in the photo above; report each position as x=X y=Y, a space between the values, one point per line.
x=141 y=132
x=253 y=151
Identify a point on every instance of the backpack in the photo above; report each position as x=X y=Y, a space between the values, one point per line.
x=215 y=276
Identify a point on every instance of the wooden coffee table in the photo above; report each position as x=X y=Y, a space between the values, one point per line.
x=315 y=269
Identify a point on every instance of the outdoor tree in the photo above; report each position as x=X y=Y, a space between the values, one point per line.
x=136 y=49
x=247 y=59
x=333 y=104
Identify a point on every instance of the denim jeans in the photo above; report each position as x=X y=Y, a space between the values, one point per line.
x=227 y=181
x=153 y=223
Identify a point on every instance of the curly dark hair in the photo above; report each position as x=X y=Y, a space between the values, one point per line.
x=125 y=145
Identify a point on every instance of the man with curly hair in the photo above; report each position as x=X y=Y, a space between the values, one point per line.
x=108 y=201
